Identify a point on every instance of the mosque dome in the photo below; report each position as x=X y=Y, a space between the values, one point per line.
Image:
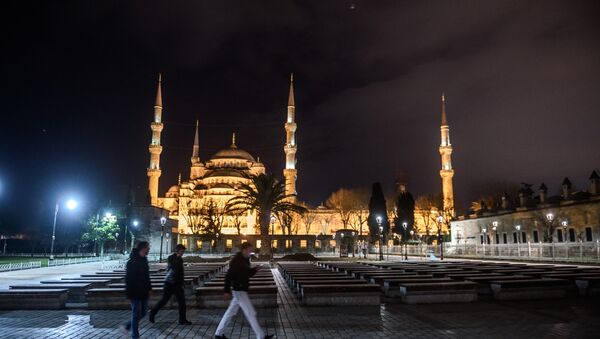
x=232 y=153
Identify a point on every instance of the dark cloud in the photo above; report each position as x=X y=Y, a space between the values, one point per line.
x=521 y=80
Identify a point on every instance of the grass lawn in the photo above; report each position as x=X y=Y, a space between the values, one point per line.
x=14 y=260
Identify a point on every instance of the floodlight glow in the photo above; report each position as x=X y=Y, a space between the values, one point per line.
x=136 y=223
x=71 y=204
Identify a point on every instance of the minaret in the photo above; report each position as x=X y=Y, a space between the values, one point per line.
x=446 y=153
x=155 y=148
x=196 y=170
x=290 y=148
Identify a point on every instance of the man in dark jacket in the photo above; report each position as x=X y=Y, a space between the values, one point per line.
x=173 y=285
x=137 y=286
x=237 y=282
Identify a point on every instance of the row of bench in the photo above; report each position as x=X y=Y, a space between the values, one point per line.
x=425 y=282
x=263 y=291
x=317 y=286
x=101 y=290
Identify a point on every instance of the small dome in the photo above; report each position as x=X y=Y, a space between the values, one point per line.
x=173 y=189
x=224 y=173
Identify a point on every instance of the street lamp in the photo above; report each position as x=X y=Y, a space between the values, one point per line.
x=518 y=228
x=440 y=220
x=405 y=226
x=564 y=225
x=379 y=220
x=163 y=221
x=71 y=204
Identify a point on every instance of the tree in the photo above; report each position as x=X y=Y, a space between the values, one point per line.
x=100 y=230
x=265 y=195
x=549 y=225
x=237 y=220
x=343 y=202
x=308 y=218
x=378 y=216
x=360 y=209
x=427 y=207
x=405 y=213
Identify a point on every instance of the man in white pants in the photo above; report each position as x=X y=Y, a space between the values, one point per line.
x=238 y=279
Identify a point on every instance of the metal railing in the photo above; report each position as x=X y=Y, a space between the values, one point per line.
x=20 y=266
x=73 y=261
x=565 y=251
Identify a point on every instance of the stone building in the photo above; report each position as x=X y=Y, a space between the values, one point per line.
x=568 y=217
x=215 y=180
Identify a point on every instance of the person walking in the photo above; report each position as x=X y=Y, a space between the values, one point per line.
x=173 y=285
x=137 y=286
x=237 y=282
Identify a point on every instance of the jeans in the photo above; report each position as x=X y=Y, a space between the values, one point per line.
x=138 y=311
x=241 y=300
x=168 y=291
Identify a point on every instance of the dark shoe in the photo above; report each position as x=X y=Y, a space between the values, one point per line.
x=151 y=317
x=221 y=337
x=269 y=336
x=185 y=322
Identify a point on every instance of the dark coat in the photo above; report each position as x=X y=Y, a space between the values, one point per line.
x=137 y=277
x=174 y=270
x=239 y=273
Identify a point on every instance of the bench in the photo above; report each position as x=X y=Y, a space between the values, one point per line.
x=529 y=289
x=341 y=295
x=262 y=296
x=588 y=286
x=391 y=287
x=485 y=281
x=94 y=283
x=114 y=298
x=438 y=292
x=33 y=299
x=76 y=291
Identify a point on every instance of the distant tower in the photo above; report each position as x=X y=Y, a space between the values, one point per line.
x=446 y=153
x=197 y=169
x=290 y=148
x=155 y=148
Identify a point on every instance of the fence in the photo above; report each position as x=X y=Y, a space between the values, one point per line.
x=72 y=261
x=20 y=266
x=573 y=252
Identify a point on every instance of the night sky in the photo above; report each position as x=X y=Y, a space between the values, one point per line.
x=522 y=82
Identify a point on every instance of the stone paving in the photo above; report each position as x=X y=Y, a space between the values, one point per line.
x=34 y=276
x=565 y=318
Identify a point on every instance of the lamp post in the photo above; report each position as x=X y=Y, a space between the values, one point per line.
x=440 y=220
x=353 y=244
x=564 y=225
x=116 y=241
x=496 y=238
x=71 y=204
x=378 y=219
x=484 y=229
x=405 y=226
x=518 y=228
x=550 y=219
x=163 y=221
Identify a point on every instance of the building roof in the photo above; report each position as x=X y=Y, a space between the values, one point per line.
x=233 y=153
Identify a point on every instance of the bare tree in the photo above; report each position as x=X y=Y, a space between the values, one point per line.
x=427 y=207
x=342 y=201
x=308 y=218
x=549 y=220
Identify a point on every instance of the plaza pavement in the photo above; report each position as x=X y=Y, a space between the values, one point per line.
x=34 y=276
x=564 y=318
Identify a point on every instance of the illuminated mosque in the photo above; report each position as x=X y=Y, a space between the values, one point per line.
x=215 y=180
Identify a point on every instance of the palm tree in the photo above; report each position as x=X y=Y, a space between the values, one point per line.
x=265 y=195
